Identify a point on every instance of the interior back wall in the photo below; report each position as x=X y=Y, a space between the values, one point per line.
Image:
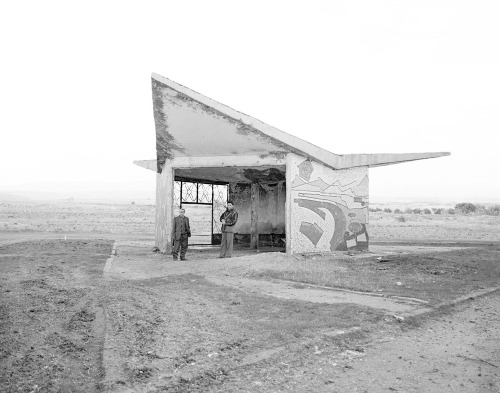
x=271 y=208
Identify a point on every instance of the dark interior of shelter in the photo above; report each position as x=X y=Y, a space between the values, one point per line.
x=258 y=194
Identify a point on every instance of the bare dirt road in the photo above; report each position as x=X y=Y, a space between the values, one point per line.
x=455 y=352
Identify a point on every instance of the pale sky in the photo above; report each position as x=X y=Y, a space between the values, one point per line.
x=348 y=76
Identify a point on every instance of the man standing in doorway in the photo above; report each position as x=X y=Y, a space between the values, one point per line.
x=180 y=234
x=228 y=219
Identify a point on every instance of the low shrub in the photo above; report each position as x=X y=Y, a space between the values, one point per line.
x=493 y=210
x=417 y=211
x=427 y=211
x=387 y=210
x=401 y=219
x=466 y=207
x=397 y=211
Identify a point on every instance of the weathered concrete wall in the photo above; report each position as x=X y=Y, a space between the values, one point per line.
x=271 y=210
x=164 y=209
x=328 y=208
x=187 y=127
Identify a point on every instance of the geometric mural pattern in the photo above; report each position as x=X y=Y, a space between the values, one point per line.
x=330 y=207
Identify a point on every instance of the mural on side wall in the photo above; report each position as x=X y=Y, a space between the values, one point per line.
x=332 y=207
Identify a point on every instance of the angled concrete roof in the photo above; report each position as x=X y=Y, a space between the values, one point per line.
x=189 y=124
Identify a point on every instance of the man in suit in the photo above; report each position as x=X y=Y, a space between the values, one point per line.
x=228 y=219
x=180 y=234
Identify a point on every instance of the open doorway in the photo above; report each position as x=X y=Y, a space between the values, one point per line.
x=258 y=194
x=204 y=203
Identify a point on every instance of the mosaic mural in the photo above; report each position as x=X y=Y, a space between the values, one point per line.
x=330 y=207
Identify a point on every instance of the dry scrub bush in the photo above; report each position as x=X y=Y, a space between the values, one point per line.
x=493 y=210
x=466 y=207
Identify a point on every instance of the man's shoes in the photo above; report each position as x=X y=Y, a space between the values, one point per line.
x=175 y=259
x=183 y=259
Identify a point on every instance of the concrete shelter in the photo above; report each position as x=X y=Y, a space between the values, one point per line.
x=286 y=190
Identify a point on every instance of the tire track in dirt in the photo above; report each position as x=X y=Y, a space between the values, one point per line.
x=52 y=330
x=454 y=352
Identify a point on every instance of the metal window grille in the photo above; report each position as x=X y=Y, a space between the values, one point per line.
x=204 y=193
x=189 y=192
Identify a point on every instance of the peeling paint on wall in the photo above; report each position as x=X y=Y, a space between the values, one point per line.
x=329 y=207
x=271 y=211
x=279 y=155
x=165 y=142
x=267 y=175
x=165 y=96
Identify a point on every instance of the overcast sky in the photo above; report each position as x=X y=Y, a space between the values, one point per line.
x=349 y=76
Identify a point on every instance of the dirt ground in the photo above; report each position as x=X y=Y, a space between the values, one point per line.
x=51 y=322
x=458 y=351
x=77 y=317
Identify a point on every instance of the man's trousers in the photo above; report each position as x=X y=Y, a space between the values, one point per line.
x=181 y=244
x=226 y=250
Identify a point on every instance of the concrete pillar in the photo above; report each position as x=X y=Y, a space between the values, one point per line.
x=164 y=209
x=254 y=216
x=288 y=203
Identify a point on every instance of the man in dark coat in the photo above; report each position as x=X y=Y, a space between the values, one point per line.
x=228 y=219
x=180 y=234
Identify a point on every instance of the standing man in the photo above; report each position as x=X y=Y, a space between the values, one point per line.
x=228 y=219
x=180 y=233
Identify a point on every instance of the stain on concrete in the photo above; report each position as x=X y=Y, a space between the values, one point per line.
x=243 y=128
x=267 y=175
x=165 y=142
x=271 y=210
x=279 y=155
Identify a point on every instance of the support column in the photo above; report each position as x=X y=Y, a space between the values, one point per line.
x=164 y=209
x=254 y=216
x=288 y=203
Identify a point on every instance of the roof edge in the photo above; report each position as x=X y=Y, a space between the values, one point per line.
x=147 y=164
x=374 y=160
x=348 y=160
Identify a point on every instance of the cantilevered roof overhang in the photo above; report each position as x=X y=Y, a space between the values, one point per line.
x=189 y=124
